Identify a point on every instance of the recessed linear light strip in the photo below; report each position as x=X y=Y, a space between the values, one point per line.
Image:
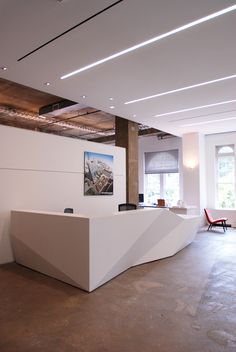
x=70 y=29
x=181 y=89
x=196 y=108
x=152 y=40
x=206 y=122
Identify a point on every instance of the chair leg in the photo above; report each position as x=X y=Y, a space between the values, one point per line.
x=223 y=225
x=209 y=227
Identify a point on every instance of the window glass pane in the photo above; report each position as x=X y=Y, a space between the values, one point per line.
x=225 y=177
x=225 y=149
x=226 y=198
x=152 y=188
x=162 y=186
x=171 y=188
x=226 y=168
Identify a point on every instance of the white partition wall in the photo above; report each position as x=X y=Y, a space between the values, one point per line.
x=45 y=172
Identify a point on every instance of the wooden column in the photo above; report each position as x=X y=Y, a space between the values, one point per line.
x=127 y=137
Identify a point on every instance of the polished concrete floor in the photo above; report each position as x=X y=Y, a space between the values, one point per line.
x=184 y=303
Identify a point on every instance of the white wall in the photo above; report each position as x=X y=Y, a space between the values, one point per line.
x=201 y=190
x=211 y=142
x=194 y=176
x=45 y=172
x=153 y=144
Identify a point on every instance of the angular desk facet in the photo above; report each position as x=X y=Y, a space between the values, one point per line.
x=86 y=252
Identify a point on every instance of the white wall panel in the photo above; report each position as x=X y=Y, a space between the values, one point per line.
x=45 y=172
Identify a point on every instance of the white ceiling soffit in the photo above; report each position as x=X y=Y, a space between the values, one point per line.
x=202 y=53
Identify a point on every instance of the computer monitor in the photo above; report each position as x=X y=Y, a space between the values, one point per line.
x=141 y=198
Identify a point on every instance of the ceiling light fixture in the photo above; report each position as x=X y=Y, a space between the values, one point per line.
x=152 y=40
x=47 y=83
x=111 y=98
x=209 y=121
x=196 y=107
x=181 y=89
x=112 y=107
x=4 y=68
x=83 y=96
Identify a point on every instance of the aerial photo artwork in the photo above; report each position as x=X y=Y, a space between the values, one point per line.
x=98 y=174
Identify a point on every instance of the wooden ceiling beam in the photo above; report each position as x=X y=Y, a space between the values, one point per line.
x=104 y=139
x=145 y=132
x=68 y=118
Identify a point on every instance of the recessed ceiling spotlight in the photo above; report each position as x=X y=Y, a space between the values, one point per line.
x=152 y=40
x=196 y=107
x=180 y=89
x=112 y=107
x=47 y=83
x=111 y=98
x=4 y=68
x=83 y=96
x=134 y=115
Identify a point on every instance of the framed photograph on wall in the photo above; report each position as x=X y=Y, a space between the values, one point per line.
x=98 y=174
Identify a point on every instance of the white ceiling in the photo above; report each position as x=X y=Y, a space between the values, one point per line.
x=202 y=53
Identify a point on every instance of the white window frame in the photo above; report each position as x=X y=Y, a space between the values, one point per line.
x=161 y=168
x=162 y=184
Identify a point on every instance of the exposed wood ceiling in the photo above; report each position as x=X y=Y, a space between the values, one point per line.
x=25 y=98
x=20 y=105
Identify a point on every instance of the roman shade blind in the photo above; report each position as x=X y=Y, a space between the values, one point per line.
x=162 y=162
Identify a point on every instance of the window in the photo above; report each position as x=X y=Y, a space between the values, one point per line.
x=225 y=185
x=162 y=176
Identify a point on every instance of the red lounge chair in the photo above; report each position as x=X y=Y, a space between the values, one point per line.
x=213 y=222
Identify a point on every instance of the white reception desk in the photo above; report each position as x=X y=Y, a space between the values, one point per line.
x=86 y=252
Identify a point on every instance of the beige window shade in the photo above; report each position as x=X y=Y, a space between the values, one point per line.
x=162 y=162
